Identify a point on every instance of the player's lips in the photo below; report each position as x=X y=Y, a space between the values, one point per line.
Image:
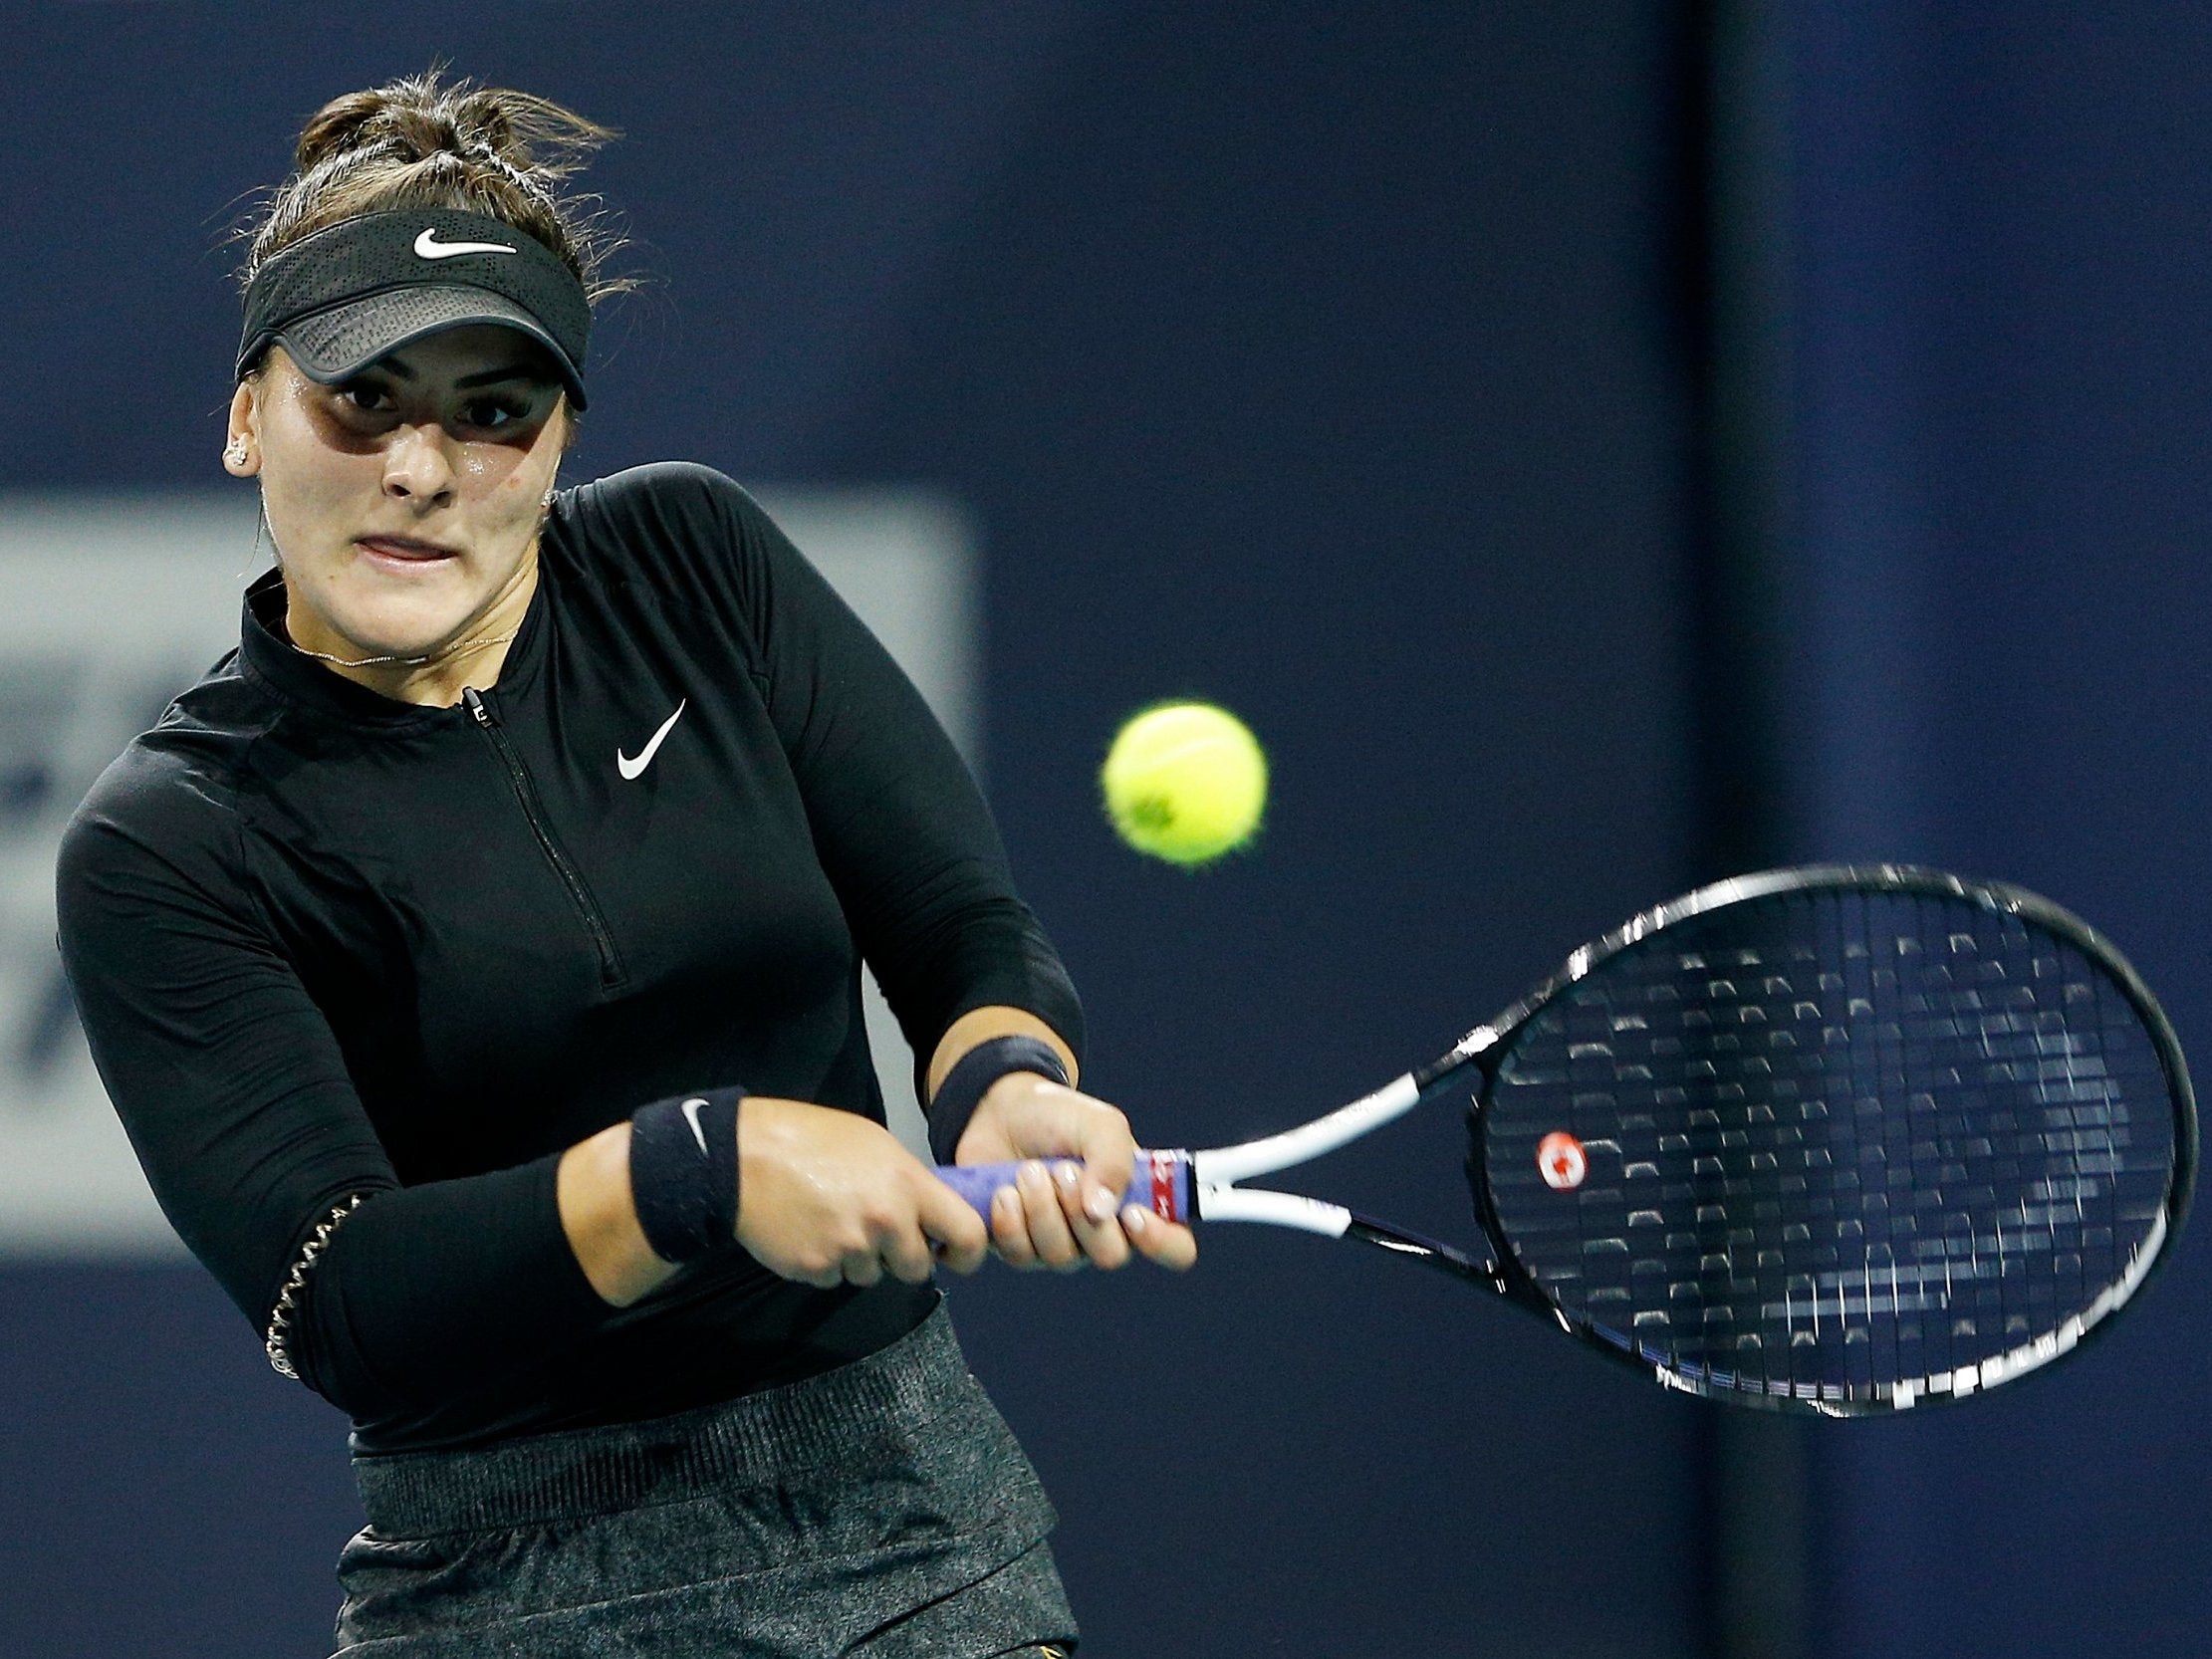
x=405 y=550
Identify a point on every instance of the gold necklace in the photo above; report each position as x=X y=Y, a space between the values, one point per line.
x=454 y=650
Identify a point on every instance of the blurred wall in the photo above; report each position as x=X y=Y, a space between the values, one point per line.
x=1323 y=360
x=2000 y=602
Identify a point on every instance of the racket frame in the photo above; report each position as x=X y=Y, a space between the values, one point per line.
x=1216 y=1171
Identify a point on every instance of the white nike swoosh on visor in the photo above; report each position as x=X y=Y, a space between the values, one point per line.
x=427 y=246
x=691 y=1116
x=631 y=768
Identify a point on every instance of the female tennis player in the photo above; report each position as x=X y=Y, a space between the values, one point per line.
x=473 y=957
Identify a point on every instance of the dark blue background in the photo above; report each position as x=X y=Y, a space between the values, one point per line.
x=2000 y=592
x=1336 y=364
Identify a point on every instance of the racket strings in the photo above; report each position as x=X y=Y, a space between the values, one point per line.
x=1841 y=1148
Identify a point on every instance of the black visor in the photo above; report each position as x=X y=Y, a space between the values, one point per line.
x=361 y=289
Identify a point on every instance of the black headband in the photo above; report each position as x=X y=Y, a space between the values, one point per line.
x=351 y=293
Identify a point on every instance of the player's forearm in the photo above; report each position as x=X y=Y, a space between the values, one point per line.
x=599 y=1216
x=980 y=1024
x=598 y=1211
x=423 y=1294
x=950 y=1109
x=819 y=1195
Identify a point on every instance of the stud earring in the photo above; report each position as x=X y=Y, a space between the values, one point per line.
x=236 y=453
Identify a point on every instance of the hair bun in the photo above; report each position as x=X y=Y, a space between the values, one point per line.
x=426 y=142
x=342 y=124
x=418 y=117
x=483 y=117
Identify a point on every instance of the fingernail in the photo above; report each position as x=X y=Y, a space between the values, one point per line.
x=1034 y=1170
x=1099 y=1205
x=1006 y=1198
x=1067 y=1175
x=1135 y=1218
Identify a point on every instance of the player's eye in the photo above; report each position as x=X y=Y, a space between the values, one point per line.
x=494 y=413
x=364 y=397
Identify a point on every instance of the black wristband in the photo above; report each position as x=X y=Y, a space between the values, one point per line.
x=971 y=1078
x=683 y=1172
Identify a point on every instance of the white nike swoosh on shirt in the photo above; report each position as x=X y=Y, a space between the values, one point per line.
x=691 y=1116
x=427 y=246
x=631 y=768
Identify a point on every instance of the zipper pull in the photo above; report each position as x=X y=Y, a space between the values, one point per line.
x=476 y=706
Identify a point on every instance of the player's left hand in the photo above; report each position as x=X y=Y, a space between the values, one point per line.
x=1075 y=1219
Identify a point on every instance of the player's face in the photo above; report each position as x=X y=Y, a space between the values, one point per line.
x=405 y=502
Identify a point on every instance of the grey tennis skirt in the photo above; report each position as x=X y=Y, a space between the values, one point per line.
x=879 y=1510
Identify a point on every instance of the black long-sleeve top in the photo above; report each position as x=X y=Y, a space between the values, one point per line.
x=325 y=944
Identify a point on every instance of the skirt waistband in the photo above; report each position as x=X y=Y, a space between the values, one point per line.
x=570 y=1473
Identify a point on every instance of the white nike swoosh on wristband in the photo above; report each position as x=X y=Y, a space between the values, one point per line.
x=628 y=767
x=691 y=1116
x=427 y=246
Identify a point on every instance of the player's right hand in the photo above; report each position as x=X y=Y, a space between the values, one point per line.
x=829 y=1198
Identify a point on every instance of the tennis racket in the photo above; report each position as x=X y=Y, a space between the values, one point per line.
x=1836 y=1140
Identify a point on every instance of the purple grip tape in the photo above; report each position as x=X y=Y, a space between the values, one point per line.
x=1160 y=1182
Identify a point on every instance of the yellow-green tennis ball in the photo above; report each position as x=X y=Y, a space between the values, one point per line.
x=1185 y=782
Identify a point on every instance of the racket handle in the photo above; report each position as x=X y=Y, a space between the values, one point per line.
x=1160 y=1182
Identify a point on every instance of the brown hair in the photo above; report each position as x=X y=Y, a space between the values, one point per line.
x=423 y=141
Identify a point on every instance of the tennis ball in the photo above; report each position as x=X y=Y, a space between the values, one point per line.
x=1185 y=782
